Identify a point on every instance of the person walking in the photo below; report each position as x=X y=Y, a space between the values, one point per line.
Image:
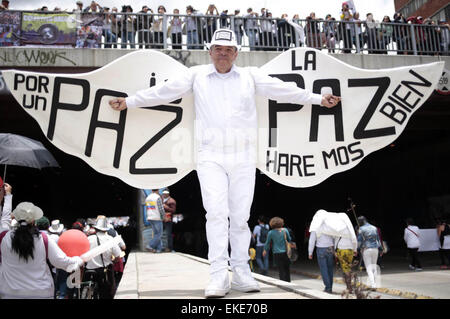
x=370 y=247
x=170 y=207
x=155 y=215
x=324 y=245
x=5 y=205
x=24 y=251
x=279 y=237
x=412 y=238
x=260 y=233
x=224 y=99
x=443 y=232
x=346 y=249
x=54 y=232
x=103 y=263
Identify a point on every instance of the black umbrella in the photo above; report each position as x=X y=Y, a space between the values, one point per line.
x=23 y=151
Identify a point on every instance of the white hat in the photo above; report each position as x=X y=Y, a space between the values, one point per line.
x=225 y=37
x=166 y=192
x=27 y=212
x=101 y=224
x=56 y=227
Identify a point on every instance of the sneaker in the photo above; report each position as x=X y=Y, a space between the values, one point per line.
x=444 y=267
x=412 y=267
x=244 y=281
x=419 y=269
x=219 y=285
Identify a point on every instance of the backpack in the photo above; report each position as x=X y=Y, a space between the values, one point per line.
x=263 y=234
x=44 y=238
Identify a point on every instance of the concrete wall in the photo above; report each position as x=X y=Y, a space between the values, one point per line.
x=94 y=58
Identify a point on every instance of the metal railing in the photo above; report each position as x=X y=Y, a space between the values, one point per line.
x=193 y=32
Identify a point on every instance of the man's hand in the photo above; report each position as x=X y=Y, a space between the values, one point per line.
x=8 y=189
x=329 y=100
x=118 y=104
x=310 y=257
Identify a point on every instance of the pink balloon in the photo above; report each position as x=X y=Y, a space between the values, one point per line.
x=74 y=243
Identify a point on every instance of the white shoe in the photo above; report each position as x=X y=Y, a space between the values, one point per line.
x=244 y=281
x=219 y=285
x=412 y=267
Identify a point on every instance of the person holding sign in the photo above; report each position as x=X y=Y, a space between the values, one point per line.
x=224 y=99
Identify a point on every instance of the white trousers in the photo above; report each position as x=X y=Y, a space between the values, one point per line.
x=370 y=257
x=227 y=183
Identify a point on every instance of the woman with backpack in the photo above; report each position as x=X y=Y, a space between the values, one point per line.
x=260 y=233
x=278 y=238
x=24 y=272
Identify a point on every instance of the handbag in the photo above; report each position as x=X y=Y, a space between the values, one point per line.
x=291 y=250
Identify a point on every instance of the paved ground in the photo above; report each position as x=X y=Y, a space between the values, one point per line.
x=180 y=276
x=396 y=278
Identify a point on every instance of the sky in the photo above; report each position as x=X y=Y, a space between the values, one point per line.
x=379 y=8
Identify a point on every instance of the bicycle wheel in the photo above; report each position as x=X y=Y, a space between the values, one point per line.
x=86 y=292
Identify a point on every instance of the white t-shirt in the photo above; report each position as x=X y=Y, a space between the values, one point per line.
x=257 y=233
x=412 y=237
x=97 y=262
x=155 y=208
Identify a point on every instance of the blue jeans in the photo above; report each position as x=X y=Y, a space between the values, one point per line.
x=192 y=38
x=252 y=38
x=110 y=38
x=128 y=37
x=263 y=262
x=61 y=283
x=325 y=258
x=155 y=242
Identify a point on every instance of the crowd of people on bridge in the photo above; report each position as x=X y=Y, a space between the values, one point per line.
x=350 y=32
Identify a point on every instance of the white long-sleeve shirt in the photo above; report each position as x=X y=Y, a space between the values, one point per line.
x=322 y=241
x=5 y=223
x=97 y=262
x=412 y=237
x=346 y=243
x=225 y=104
x=31 y=279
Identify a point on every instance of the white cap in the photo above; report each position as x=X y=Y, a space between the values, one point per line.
x=27 y=212
x=225 y=37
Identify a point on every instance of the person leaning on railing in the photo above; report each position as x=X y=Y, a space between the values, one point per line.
x=371 y=34
x=444 y=33
x=110 y=38
x=346 y=28
x=238 y=26
x=144 y=23
x=211 y=23
x=191 y=28
x=128 y=27
x=329 y=30
x=386 y=31
x=176 y=30
x=357 y=33
x=158 y=34
x=399 y=33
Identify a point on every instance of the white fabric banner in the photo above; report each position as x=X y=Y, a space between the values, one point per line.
x=429 y=240
x=298 y=145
